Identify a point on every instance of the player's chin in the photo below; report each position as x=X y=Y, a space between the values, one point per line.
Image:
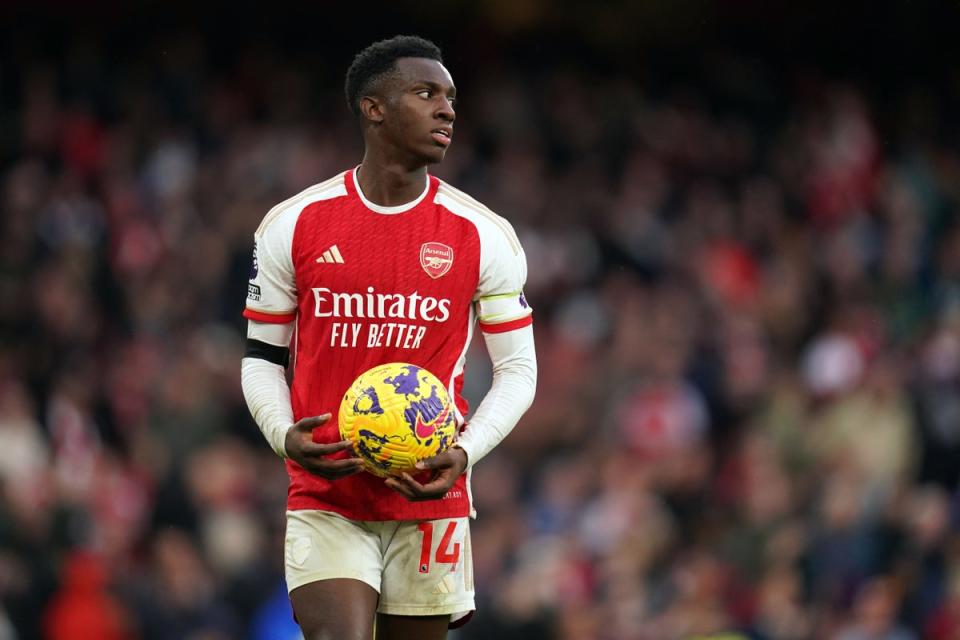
x=433 y=153
x=435 y=156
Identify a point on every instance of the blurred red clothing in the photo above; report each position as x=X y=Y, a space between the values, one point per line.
x=731 y=273
x=83 y=609
x=944 y=624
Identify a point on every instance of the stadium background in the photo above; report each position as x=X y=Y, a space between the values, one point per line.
x=741 y=224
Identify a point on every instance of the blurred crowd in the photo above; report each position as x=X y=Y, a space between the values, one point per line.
x=747 y=310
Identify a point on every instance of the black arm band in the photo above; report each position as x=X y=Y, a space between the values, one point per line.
x=268 y=352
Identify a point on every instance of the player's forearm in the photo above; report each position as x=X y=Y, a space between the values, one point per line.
x=511 y=394
x=264 y=383
x=268 y=398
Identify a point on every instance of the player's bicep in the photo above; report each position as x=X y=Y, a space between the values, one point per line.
x=500 y=303
x=503 y=312
x=271 y=290
x=270 y=332
x=269 y=341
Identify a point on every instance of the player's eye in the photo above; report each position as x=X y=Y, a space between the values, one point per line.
x=424 y=93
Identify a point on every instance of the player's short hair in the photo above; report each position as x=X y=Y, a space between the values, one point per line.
x=378 y=60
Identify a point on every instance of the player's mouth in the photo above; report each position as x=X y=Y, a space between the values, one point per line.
x=442 y=136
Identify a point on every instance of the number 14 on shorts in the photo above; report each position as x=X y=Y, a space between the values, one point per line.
x=446 y=553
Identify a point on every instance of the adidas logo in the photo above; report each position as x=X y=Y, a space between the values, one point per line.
x=447 y=585
x=331 y=256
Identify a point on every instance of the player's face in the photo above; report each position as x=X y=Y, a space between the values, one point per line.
x=420 y=114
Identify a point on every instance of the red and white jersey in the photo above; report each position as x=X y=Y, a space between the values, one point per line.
x=367 y=285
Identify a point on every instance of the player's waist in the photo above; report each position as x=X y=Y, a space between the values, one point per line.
x=366 y=497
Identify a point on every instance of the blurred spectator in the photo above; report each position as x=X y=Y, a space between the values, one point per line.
x=83 y=608
x=876 y=609
x=180 y=598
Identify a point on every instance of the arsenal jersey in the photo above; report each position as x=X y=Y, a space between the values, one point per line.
x=367 y=285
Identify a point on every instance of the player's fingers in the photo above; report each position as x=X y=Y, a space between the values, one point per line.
x=335 y=468
x=401 y=488
x=307 y=425
x=346 y=463
x=344 y=472
x=431 y=463
x=453 y=457
x=411 y=483
x=437 y=487
x=325 y=449
x=413 y=488
x=438 y=461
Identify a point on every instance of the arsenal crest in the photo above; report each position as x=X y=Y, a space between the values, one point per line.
x=436 y=258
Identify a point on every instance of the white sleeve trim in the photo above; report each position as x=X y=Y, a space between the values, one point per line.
x=511 y=394
x=503 y=264
x=272 y=333
x=272 y=288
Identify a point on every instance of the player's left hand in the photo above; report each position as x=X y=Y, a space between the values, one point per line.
x=446 y=467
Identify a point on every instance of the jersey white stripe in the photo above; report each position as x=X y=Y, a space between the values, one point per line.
x=461 y=362
x=458 y=371
x=335 y=186
x=467 y=202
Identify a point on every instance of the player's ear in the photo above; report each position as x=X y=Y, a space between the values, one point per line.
x=372 y=108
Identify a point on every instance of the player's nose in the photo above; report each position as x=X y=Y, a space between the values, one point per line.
x=445 y=111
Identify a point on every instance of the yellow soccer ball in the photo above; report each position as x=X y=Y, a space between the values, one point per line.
x=395 y=415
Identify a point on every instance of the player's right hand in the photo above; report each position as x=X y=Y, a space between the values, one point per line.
x=312 y=456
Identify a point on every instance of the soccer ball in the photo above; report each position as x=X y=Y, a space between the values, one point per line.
x=395 y=415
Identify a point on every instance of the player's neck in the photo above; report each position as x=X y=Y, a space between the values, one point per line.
x=389 y=184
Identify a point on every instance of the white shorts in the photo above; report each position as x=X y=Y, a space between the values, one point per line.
x=419 y=568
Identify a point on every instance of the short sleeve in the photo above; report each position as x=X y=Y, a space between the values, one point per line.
x=500 y=303
x=271 y=290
